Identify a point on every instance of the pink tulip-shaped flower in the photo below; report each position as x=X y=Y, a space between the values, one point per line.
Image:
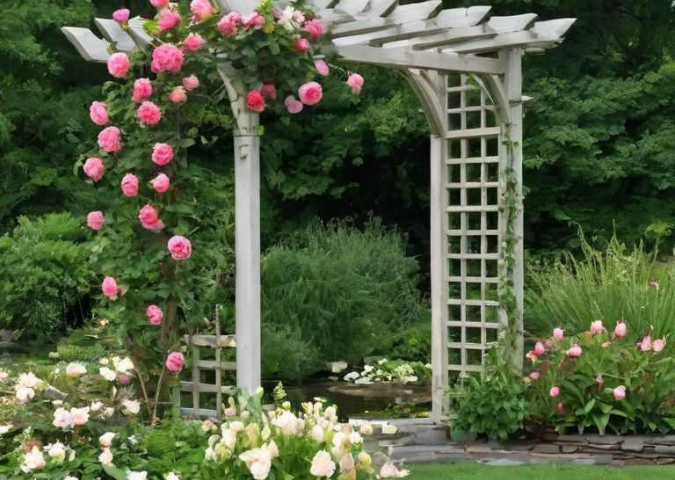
x=539 y=348
x=255 y=101
x=93 y=168
x=129 y=185
x=178 y=95
x=109 y=287
x=154 y=314
x=193 y=42
x=98 y=112
x=310 y=93
x=201 y=9
x=121 y=15
x=322 y=68
x=575 y=351
x=168 y=20
x=292 y=105
x=596 y=327
x=142 y=89
x=149 y=218
x=118 y=65
x=229 y=23
x=554 y=392
x=619 y=392
x=646 y=344
x=190 y=83
x=167 y=58
x=149 y=113
x=160 y=183
x=301 y=45
x=659 y=344
x=160 y=3
x=95 y=220
x=269 y=91
x=558 y=333
x=174 y=362
x=620 y=330
x=315 y=29
x=355 y=82
x=560 y=407
x=162 y=154
x=180 y=247
x=110 y=139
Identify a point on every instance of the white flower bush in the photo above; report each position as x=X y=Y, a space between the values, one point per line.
x=391 y=371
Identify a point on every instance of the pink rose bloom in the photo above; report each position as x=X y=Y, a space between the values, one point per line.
x=531 y=355
x=574 y=351
x=315 y=29
x=310 y=93
x=255 y=101
x=229 y=23
x=110 y=139
x=168 y=20
x=659 y=344
x=121 y=15
x=322 y=68
x=167 y=58
x=558 y=333
x=646 y=344
x=95 y=220
x=193 y=42
x=109 y=287
x=619 y=392
x=149 y=113
x=180 y=247
x=301 y=45
x=162 y=153
x=93 y=168
x=355 y=82
x=98 y=112
x=554 y=392
x=190 y=83
x=535 y=375
x=142 y=89
x=130 y=185
x=178 y=95
x=149 y=218
x=160 y=183
x=254 y=20
x=174 y=362
x=620 y=330
x=539 y=348
x=560 y=407
x=596 y=327
x=292 y=105
x=118 y=64
x=160 y=3
x=154 y=315
x=201 y=9
x=269 y=91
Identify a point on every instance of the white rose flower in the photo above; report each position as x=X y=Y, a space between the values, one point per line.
x=56 y=451
x=272 y=448
x=208 y=426
x=80 y=416
x=287 y=422
x=62 y=418
x=75 y=369
x=366 y=429
x=172 y=476
x=389 y=429
x=210 y=454
x=137 y=475
x=322 y=465
x=96 y=406
x=33 y=460
x=108 y=412
x=389 y=470
x=104 y=361
x=229 y=439
x=106 y=439
x=236 y=426
x=106 y=457
x=132 y=406
x=29 y=380
x=317 y=433
x=24 y=394
x=108 y=374
x=258 y=461
x=265 y=433
x=355 y=438
x=125 y=365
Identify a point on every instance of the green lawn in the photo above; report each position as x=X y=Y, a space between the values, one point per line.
x=544 y=472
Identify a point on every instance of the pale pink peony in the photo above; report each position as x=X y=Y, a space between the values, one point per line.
x=229 y=23
x=160 y=183
x=191 y=82
x=554 y=392
x=193 y=42
x=62 y=418
x=659 y=344
x=539 y=348
x=121 y=15
x=292 y=105
x=574 y=351
x=129 y=185
x=80 y=416
x=355 y=82
x=255 y=101
x=93 y=168
x=201 y=9
x=621 y=329
x=315 y=29
x=389 y=470
x=322 y=465
x=149 y=218
x=95 y=220
x=301 y=45
x=535 y=375
x=160 y=3
x=118 y=64
x=180 y=247
x=310 y=93
x=154 y=315
x=174 y=362
x=142 y=89
x=110 y=139
x=167 y=58
x=254 y=20
x=558 y=333
x=322 y=68
x=597 y=327
x=98 y=112
x=168 y=20
x=149 y=113
x=619 y=392
x=178 y=95
x=269 y=91
x=162 y=153
x=646 y=344
x=109 y=287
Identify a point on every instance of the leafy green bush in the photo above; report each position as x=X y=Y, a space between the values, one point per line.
x=343 y=293
x=45 y=274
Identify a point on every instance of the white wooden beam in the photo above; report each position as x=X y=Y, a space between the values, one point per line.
x=137 y=32
x=92 y=48
x=351 y=7
x=367 y=22
x=113 y=32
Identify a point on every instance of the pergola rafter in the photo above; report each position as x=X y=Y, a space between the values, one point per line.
x=465 y=67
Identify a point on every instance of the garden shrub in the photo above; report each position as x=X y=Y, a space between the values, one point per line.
x=45 y=275
x=345 y=292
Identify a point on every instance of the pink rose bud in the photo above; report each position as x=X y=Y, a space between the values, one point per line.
x=301 y=45
x=558 y=333
x=254 y=20
x=539 y=348
x=95 y=220
x=178 y=95
x=531 y=355
x=142 y=89
x=646 y=344
x=167 y=58
x=315 y=29
x=121 y=15
x=606 y=344
x=193 y=42
x=292 y=105
x=255 y=101
x=229 y=23
x=191 y=82
x=174 y=362
x=574 y=351
x=118 y=65
x=149 y=113
x=620 y=330
x=310 y=93
x=130 y=185
x=98 y=112
x=160 y=183
x=162 y=153
x=110 y=139
x=269 y=91
x=619 y=392
x=93 y=168
x=154 y=315
x=554 y=392
x=560 y=407
x=596 y=327
x=168 y=19
x=201 y=9
x=149 y=218
x=124 y=379
x=109 y=287
x=322 y=68
x=355 y=82
x=160 y=3
x=659 y=345
x=535 y=375
x=180 y=247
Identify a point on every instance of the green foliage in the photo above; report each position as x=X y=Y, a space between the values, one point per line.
x=339 y=292
x=44 y=274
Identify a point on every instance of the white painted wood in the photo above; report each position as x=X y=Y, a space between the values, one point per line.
x=381 y=8
x=136 y=31
x=463 y=17
x=92 y=48
x=351 y=7
x=369 y=22
x=113 y=32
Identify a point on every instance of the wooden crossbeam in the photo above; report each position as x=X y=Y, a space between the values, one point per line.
x=113 y=32
x=92 y=48
x=369 y=22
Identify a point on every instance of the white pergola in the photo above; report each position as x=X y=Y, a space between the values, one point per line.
x=465 y=67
